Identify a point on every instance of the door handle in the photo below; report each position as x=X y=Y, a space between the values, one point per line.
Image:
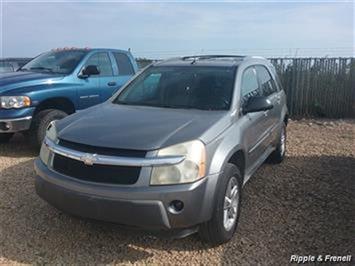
x=111 y=83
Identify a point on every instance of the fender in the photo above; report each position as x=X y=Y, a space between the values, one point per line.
x=224 y=147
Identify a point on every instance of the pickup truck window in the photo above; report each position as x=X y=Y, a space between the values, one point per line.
x=124 y=64
x=60 y=62
x=103 y=63
x=184 y=87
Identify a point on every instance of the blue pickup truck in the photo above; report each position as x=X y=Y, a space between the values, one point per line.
x=58 y=83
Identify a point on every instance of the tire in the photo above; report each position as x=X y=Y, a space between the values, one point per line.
x=216 y=231
x=278 y=155
x=40 y=123
x=5 y=137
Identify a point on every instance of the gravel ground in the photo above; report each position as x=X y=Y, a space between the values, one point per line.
x=303 y=206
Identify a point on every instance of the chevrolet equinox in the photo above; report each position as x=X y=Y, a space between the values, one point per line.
x=172 y=149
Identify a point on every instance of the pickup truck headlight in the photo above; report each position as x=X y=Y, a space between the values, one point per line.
x=52 y=135
x=191 y=169
x=9 y=102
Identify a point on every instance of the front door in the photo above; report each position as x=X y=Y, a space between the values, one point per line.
x=92 y=90
x=254 y=124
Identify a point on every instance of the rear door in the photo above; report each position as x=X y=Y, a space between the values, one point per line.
x=123 y=72
x=270 y=90
x=108 y=82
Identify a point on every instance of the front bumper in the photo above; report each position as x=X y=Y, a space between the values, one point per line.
x=141 y=207
x=15 y=124
x=15 y=120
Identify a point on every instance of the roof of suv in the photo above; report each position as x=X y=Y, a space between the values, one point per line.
x=206 y=60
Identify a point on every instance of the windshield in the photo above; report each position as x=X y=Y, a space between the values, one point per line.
x=185 y=87
x=59 y=62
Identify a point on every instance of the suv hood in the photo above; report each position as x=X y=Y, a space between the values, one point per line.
x=18 y=79
x=139 y=127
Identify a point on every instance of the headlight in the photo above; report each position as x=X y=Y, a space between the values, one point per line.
x=51 y=132
x=189 y=170
x=52 y=135
x=9 y=102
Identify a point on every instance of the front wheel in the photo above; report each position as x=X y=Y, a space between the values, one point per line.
x=39 y=126
x=5 y=137
x=223 y=223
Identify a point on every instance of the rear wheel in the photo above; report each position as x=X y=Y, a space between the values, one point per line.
x=5 y=137
x=223 y=223
x=279 y=154
x=40 y=123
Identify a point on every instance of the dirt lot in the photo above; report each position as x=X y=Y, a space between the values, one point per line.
x=303 y=206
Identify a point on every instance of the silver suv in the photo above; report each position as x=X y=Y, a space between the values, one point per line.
x=172 y=150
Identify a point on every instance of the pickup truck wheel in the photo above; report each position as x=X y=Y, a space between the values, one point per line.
x=278 y=155
x=5 y=137
x=221 y=227
x=40 y=123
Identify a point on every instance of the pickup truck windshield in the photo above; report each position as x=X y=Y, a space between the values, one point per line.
x=59 y=62
x=184 y=87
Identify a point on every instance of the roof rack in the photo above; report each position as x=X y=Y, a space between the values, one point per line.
x=199 y=57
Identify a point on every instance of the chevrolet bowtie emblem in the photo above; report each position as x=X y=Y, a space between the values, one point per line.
x=88 y=159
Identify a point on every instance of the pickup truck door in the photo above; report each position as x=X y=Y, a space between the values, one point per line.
x=90 y=93
x=123 y=71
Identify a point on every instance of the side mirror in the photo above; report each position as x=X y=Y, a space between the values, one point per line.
x=89 y=71
x=257 y=104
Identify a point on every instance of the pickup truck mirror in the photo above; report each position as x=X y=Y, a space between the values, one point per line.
x=89 y=71
x=257 y=104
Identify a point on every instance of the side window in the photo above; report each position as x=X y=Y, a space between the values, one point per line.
x=277 y=78
x=103 y=63
x=250 y=86
x=268 y=85
x=124 y=64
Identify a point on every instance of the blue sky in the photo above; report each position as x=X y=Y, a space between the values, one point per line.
x=159 y=30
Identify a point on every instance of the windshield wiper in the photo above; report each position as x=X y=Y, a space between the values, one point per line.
x=23 y=69
x=162 y=105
